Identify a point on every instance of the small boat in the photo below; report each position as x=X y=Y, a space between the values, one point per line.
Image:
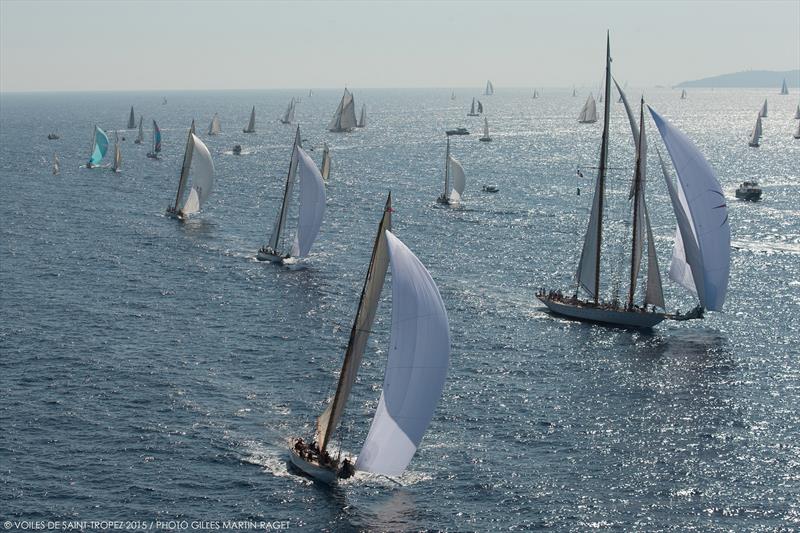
x=683 y=94
x=458 y=131
x=153 y=154
x=288 y=115
x=472 y=110
x=784 y=88
x=453 y=95
x=344 y=118
x=140 y=137
x=310 y=212
x=755 y=135
x=251 y=125
x=214 y=128
x=797 y=112
x=325 y=167
x=53 y=136
x=131 y=120
x=237 y=149
x=362 y=120
x=116 y=165
x=56 y=165
x=490 y=188
x=99 y=147
x=489 y=89
x=749 y=190
x=485 y=137
x=197 y=163
x=797 y=131
x=535 y=94
x=588 y=114
x=763 y=112
x=164 y=102
x=416 y=368
x=452 y=192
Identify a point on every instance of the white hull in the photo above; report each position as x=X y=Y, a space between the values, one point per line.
x=325 y=475
x=616 y=317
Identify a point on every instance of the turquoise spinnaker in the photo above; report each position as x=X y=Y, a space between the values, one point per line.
x=100 y=146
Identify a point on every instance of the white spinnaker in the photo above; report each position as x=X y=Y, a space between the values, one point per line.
x=312 y=204
x=458 y=180
x=416 y=367
x=202 y=173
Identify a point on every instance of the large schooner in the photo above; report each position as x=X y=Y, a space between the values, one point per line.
x=453 y=187
x=344 y=119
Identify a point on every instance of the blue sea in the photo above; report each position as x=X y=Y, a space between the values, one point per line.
x=153 y=371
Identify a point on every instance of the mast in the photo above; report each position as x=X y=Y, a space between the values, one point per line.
x=187 y=163
x=601 y=179
x=282 y=215
x=637 y=191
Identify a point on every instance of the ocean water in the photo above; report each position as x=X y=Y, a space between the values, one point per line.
x=152 y=370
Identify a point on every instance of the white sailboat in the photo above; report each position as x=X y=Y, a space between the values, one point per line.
x=797 y=131
x=56 y=165
x=588 y=114
x=325 y=167
x=251 y=125
x=472 y=110
x=784 y=88
x=453 y=95
x=574 y=92
x=131 y=120
x=535 y=94
x=489 y=89
x=485 y=137
x=755 y=135
x=683 y=94
x=454 y=180
x=344 y=119
x=797 y=112
x=197 y=163
x=214 y=128
x=362 y=120
x=140 y=137
x=416 y=368
x=288 y=115
x=763 y=112
x=116 y=165
x=312 y=208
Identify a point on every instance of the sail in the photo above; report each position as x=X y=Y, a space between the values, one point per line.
x=416 y=367
x=362 y=121
x=763 y=112
x=485 y=127
x=797 y=131
x=117 y=164
x=202 y=172
x=472 y=109
x=489 y=88
x=683 y=94
x=187 y=163
x=344 y=119
x=707 y=213
x=251 y=126
x=288 y=115
x=631 y=117
x=131 y=120
x=362 y=326
x=326 y=162
x=784 y=88
x=287 y=193
x=755 y=135
x=156 y=138
x=459 y=180
x=589 y=112
x=535 y=93
x=312 y=204
x=574 y=92
x=100 y=146
x=480 y=107
x=140 y=137
x=56 y=165
x=654 y=293
x=214 y=128
x=797 y=113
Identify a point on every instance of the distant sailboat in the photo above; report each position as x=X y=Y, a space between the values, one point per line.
x=116 y=165
x=197 y=163
x=362 y=120
x=453 y=95
x=480 y=107
x=140 y=136
x=784 y=88
x=310 y=93
x=164 y=102
x=325 y=168
x=755 y=135
x=489 y=89
x=588 y=114
x=763 y=112
x=344 y=119
x=797 y=131
x=312 y=208
x=99 y=147
x=455 y=188
x=797 y=112
x=56 y=165
x=574 y=92
x=535 y=94
x=683 y=94
x=131 y=120
x=153 y=154
x=416 y=367
x=472 y=111
x=485 y=137
x=288 y=115
x=251 y=126
x=214 y=128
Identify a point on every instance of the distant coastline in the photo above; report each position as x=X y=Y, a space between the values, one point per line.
x=748 y=78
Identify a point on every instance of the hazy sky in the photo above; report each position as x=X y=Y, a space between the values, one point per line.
x=163 y=45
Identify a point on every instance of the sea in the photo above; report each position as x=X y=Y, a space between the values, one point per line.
x=152 y=372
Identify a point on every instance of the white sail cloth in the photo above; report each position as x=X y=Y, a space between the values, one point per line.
x=755 y=135
x=312 y=204
x=202 y=174
x=459 y=180
x=344 y=118
x=705 y=211
x=589 y=112
x=416 y=368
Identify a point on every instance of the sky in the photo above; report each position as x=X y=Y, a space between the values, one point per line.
x=205 y=45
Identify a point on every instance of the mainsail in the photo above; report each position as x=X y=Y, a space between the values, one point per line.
x=344 y=119
x=784 y=88
x=588 y=114
x=755 y=135
x=280 y=223
x=251 y=126
x=214 y=128
x=56 y=165
x=202 y=172
x=116 y=166
x=489 y=88
x=763 y=112
x=131 y=120
x=458 y=178
x=797 y=113
x=288 y=115
x=416 y=367
x=99 y=146
x=140 y=137
x=312 y=204
x=362 y=121
x=156 y=138
x=480 y=107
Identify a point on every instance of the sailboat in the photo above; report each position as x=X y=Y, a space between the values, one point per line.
x=588 y=114
x=140 y=136
x=472 y=111
x=310 y=93
x=56 y=165
x=416 y=368
x=344 y=119
x=797 y=131
x=480 y=107
x=755 y=135
x=797 y=112
x=574 y=92
x=99 y=147
x=153 y=154
x=453 y=95
x=784 y=88
x=116 y=165
x=197 y=162
x=701 y=257
x=251 y=126
x=131 y=120
x=485 y=137
x=535 y=94
x=288 y=115
x=763 y=112
x=489 y=89
x=452 y=192
x=362 y=120
x=683 y=94
x=214 y=128
x=312 y=208
x=325 y=168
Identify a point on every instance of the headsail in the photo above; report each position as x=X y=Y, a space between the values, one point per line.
x=202 y=171
x=755 y=135
x=251 y=125
x=416 y=367
x=763 y=112
x=458 y=178
x=312 y=204
x=362 y=121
